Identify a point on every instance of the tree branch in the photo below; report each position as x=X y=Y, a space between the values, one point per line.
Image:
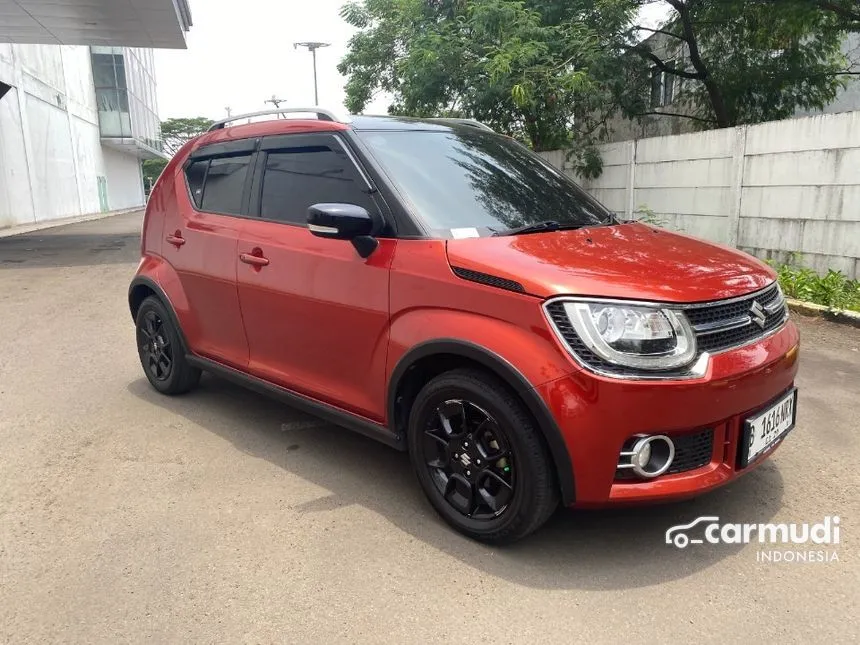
x=718 y=102
x=658 y=62
x=659 y=31
x=678 y=114
x=852 y=15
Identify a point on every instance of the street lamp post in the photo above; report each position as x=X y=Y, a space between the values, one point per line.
x=312 y=47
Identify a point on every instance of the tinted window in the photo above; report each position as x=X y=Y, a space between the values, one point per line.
x=457 y=179
x=224 y=183
x=300 y=177
x=195 y=173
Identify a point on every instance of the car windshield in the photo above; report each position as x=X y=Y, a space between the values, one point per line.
x=461 y=180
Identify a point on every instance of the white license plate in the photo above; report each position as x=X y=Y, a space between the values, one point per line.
x=768 y=427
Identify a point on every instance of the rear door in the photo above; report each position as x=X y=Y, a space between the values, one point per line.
x=315 y=312
x=201 y=244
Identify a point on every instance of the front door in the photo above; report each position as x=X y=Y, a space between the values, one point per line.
x=315 y=312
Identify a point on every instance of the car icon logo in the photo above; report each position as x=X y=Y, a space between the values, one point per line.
x=758 y=315
x=677 y=535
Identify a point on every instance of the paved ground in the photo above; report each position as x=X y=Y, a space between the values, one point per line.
x=221 y=516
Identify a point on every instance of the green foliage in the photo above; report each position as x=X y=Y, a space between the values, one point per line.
x=176 y=132
x=526 y=67
x=152 y=168
x=759 y=60
x=833 y=290
x=648 y=216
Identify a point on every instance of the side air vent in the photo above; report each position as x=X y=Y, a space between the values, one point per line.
x=487 y=279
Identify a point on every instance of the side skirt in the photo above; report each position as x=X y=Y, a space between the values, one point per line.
x=318 y=409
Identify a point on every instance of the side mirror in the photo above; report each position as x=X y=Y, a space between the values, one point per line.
x=345 y=222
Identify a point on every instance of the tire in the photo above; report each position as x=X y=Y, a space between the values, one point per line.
x=160 y=349
x=509 y=515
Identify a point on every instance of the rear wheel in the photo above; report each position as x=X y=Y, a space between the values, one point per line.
x=160 y=350
x=480 y=458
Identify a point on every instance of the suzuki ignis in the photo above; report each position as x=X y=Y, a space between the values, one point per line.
x=439 y=287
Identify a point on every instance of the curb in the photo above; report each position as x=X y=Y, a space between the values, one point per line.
x=22 y=229
x=833 y=315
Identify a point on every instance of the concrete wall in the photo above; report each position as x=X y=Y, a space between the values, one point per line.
x=51 y=153
x=769 y=189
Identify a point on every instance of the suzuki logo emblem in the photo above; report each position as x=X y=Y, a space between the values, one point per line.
x=758 y=314
x=465 y=459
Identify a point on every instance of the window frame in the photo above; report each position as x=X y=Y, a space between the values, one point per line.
x=237 y=148
x=283 y=143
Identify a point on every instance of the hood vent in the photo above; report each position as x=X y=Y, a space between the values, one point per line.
x=487 y=279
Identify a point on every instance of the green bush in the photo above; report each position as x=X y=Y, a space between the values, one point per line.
x=833 y=290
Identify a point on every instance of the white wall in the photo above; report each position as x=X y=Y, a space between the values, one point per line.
x=124 y=180
x=51 y=153
x=769 y=189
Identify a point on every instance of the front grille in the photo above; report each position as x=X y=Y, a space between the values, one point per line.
x=715 y=313
x=699 y=315
x=691 y=451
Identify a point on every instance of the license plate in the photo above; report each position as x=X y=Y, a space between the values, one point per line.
x=768 y=427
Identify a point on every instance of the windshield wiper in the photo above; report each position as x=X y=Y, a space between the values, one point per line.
x=539 y=227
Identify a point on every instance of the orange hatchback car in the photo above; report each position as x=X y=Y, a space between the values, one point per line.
x=439 y=287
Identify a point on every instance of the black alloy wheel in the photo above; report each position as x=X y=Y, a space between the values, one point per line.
x=469 y=459
x=161 y=351
x=155 y=347
x=480 y=458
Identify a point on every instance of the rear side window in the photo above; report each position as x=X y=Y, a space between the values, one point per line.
x=297 y=178
x=225 y=180
x=195 y=174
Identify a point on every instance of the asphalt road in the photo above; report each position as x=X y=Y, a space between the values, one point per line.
x=221 y=516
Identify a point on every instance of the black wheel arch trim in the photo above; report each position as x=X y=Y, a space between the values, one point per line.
x=513 y=378
x=151 y=284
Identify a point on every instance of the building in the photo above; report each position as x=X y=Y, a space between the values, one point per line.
x=666 y=88
x=78 y=108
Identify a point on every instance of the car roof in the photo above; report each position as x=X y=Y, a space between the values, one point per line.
x=274 y=126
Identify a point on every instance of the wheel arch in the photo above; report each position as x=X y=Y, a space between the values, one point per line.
x=436 y=356
x=140 y=289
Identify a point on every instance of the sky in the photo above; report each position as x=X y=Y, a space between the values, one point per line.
x=241 y=53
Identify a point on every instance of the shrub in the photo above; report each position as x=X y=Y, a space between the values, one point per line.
x=833 y=290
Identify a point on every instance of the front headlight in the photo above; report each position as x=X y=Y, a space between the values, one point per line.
x=637 y=336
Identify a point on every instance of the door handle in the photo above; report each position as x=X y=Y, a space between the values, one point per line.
x=254 y=260
x=175 y=239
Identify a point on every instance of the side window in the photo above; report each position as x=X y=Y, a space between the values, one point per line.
x=297 y=178
x=225 y=180
x=195 y=173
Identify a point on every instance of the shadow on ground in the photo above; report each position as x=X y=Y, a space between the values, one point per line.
x=46 y=249
x=598 y=550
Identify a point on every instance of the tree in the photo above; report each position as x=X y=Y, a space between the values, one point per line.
x=526 y=67
x=152 y=168
x=176 y=132
x=742 y=61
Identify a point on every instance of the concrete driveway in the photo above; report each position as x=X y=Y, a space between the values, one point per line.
x=221 y=516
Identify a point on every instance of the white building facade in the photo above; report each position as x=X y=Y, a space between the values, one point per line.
x=75 y=124
x=78 y=111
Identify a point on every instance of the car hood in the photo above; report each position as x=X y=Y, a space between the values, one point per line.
x=621 y=261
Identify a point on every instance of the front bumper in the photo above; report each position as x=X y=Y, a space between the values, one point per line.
x=596 y=415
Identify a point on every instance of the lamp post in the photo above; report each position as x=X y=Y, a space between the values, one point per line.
x=312 y=47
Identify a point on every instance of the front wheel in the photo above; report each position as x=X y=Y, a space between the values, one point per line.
x=480 y=458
